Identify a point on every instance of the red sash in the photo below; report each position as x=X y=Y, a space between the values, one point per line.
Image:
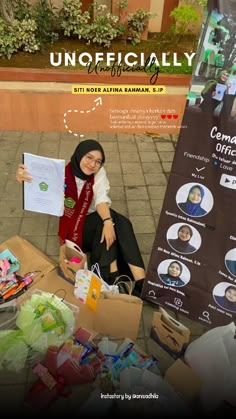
x=76 y=209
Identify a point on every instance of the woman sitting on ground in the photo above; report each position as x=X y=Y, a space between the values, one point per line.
x=91 y=223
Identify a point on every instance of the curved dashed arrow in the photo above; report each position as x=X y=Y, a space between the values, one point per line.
x=97 y=102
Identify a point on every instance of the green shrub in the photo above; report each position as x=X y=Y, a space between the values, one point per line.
x=43 y=13
x=136 y=24
x=105 y=26
x=184 y=17
x=25 y=33
x=8 y=41
x=73 y=21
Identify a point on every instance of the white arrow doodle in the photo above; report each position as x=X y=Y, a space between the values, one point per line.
x=97 y=102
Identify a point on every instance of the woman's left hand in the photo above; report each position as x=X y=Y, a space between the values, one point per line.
x=108 y=233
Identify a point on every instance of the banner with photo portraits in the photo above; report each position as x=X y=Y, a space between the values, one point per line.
x=192 y=268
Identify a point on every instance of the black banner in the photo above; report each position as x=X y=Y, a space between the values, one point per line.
x=192 y=268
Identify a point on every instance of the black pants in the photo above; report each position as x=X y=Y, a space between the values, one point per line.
x=209 y=105
x=124 y=250
x=227 y=106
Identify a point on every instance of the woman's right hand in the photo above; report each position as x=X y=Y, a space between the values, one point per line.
x=22 y=174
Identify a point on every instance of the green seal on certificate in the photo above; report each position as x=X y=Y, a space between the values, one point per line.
x=43 y=186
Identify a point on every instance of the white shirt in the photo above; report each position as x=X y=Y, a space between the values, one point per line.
x=101 y=188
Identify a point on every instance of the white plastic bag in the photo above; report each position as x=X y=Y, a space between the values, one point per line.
x=213 y=357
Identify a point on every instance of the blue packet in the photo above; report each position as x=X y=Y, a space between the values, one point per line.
x=109 y=361
x=148 y=362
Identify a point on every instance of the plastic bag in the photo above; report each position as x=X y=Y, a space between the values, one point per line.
x=88 y=287
x=213 y=357
x=46 y=320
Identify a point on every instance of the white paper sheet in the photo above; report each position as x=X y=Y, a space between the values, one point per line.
x=45 y=194
x=232 y=87
x=220 y=91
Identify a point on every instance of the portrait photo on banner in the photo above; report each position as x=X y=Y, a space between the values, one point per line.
x=224 y=295
x=230 y=261
x=194 y=199
x=183 y=238
x=174 y=273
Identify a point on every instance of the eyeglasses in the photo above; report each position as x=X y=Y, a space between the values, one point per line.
x=91 y=160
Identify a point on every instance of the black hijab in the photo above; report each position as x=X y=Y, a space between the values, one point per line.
x=81 y=150
x=182 y=245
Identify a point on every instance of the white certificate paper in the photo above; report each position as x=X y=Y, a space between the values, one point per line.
x=45 y=194
x=220 y=91
x=232 y=87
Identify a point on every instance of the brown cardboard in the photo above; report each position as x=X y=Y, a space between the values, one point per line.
x=172 y=335
x=184 y=380
x=118 y=315
x=31 y=258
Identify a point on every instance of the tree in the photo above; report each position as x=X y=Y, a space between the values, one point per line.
x=6 y=11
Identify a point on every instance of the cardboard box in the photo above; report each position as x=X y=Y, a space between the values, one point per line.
x=185 y=381
x=31 y=259
x=170 y=334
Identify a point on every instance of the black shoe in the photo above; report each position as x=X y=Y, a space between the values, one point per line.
x=112 y=277
x=137 y=291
